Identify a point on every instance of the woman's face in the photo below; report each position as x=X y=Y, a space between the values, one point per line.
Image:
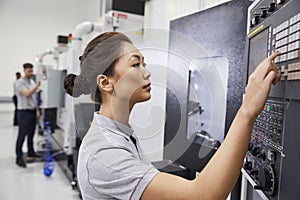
x=131 y=78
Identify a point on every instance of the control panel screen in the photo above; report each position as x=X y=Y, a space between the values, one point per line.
x=258 y=50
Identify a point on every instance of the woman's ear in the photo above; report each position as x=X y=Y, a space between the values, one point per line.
x=104 y=83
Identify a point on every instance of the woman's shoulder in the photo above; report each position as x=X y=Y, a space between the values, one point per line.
x=99 y=138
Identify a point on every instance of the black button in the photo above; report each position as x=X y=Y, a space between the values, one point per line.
x=272 y=7
x=263 y=13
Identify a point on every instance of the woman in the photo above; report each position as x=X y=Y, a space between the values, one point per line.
x=111 y=164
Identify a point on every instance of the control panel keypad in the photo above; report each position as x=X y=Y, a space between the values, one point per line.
x=286 y=39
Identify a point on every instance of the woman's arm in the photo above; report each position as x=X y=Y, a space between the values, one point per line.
x=218 y=177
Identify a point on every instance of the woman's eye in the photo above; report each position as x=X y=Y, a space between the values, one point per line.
x=136 y=65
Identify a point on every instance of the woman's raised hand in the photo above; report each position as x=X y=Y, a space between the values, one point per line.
x=259 y=85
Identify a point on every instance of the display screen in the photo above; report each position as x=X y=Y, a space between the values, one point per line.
x=130 y=6
x=258 y=50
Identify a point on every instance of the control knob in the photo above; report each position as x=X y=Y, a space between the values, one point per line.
x=267 y=180
x=254 y=20
x=250 y=146
x=263 y=155
x=254 y=174
x=248 y=165
x=272 y=7
x=263 y=13
x=255 y=151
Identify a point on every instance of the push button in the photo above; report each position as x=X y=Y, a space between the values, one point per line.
x=263 y=13
x=272 y=7
x=254 y=20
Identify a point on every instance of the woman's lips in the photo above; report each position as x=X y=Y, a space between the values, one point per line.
x=147 y=87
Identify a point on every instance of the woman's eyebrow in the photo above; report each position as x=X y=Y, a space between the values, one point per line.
x=136 y=56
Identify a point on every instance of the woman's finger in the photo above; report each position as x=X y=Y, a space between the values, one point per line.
x=265 y=67
x=277 y=73
x=273 y=55
x=270 y=78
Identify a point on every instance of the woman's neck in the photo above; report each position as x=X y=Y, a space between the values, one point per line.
x=117 y=109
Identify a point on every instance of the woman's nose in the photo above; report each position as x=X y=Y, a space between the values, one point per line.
x=147 y=73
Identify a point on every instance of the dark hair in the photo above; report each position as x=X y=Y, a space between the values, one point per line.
x=99 y=57
x=27 y=66
x=18 y=74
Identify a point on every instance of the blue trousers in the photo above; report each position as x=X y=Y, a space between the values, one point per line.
x=27 y=123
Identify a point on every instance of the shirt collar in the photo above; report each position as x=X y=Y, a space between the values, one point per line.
x=113 y=125
x=28 y=80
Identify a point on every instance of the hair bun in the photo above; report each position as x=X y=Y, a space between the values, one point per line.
x=76 y=85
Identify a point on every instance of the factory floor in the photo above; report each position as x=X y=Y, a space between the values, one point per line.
x=27 y=183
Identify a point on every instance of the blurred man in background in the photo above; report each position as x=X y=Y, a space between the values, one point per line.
x=28 y=113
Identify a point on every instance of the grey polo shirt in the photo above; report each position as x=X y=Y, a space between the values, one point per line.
x=109 y=164
x=25 y=103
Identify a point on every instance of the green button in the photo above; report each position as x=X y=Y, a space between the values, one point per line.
x=268 y=108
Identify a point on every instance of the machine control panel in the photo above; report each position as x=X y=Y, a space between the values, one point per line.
x=268 y=125
x=265 y=150
x=275 y=25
